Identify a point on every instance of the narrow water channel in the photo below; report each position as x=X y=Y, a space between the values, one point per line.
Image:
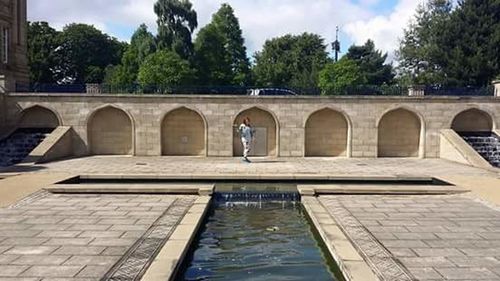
x=257 y=240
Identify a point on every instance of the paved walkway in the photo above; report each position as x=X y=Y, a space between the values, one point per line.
x=80 y=237
x=260 y=167
x=422 y=237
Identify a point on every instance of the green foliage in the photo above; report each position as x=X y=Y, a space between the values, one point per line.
x=419 y=49
x=42 y=43
x=234 y=44
x=220 y=53
x=176 y=22
x=471 y=43
x=84 y=52
x=141 y=46
x=456 y=47
x=371 y=63
x=291 y=60
x=212 y=61
x=335 y=78
x=165 y=68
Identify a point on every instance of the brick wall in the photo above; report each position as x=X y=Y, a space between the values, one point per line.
x=288 y=115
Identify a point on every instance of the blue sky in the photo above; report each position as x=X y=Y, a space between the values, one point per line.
x=380 y=20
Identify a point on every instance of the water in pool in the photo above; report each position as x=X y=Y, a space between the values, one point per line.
x=256 y=241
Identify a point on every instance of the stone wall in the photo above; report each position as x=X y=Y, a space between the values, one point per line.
x=38 y=117
x=183 y=133
x=472 y=120
x=110 y=132
x=326 y=134
x=288 y=115
x=399 y=134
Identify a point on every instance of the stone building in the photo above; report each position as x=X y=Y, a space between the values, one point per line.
x=13 y=44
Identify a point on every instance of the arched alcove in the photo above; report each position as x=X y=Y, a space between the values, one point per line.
x=326 y=134
x=39 y=117
x=399 y=134
x=183 y=133
x=110 y=132
x=266 y=132
x=472 y=120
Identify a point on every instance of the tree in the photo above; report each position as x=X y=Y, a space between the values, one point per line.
x=220 y=54
x=472 y=40
x=176 y=22
x=371 y=63
x=42 y=44
x=141 y=46
x=84 y=52
x=335 y=78
x=419 y=53
x=293 y=61
x=165 y=68
x=212 y=60
x=229 y=26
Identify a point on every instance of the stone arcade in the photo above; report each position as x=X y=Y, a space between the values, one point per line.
x=286 y=127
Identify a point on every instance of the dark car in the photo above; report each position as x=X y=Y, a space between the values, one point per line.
x=271 y=92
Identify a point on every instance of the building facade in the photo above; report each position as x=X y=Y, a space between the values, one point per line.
x=13 y=44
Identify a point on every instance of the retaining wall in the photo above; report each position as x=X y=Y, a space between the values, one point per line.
x=413 y=131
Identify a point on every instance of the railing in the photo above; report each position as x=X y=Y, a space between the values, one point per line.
x=361 y=90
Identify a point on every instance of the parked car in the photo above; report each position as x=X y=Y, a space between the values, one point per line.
x=271 y=92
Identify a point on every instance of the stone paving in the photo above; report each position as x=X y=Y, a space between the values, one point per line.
x=422 y=237
x=81 y=237
x=260 y=166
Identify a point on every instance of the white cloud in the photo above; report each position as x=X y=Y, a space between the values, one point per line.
x=259 y=19
x=385 y=31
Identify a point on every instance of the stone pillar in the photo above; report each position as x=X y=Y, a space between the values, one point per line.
x=496 y=84
x=93 y=88
x=416 y=91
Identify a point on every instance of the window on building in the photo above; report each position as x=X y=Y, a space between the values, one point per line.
x=4 y=43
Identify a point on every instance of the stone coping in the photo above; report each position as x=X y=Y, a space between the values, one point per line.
x=352 y=265
x=273 y=177
x=373 y=189
x=199 y=189
x=243 y=98
x=169 y=259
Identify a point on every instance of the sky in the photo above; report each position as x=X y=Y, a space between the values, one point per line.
x=359 y=20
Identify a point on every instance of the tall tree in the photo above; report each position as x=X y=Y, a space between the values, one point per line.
x=42 y=44
x=84 y=52
x=228 y=25
x=211 y=58
x=472 y=42
x=371 y=63
x=141 y=46
x=291 y=61
x=419 y=52
x=176 y=22
x=220 y=51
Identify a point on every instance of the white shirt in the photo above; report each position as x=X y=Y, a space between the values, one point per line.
x=246 y=132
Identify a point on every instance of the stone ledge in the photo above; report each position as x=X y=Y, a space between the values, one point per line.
x=206 y=189
x=454 y=148
x=167 y=262
x=400 y=189
x=352 y=265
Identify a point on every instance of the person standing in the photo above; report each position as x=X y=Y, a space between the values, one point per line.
x=246 y=134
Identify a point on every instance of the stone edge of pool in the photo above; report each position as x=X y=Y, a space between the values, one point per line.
x=166 y=264
x=350 y=262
